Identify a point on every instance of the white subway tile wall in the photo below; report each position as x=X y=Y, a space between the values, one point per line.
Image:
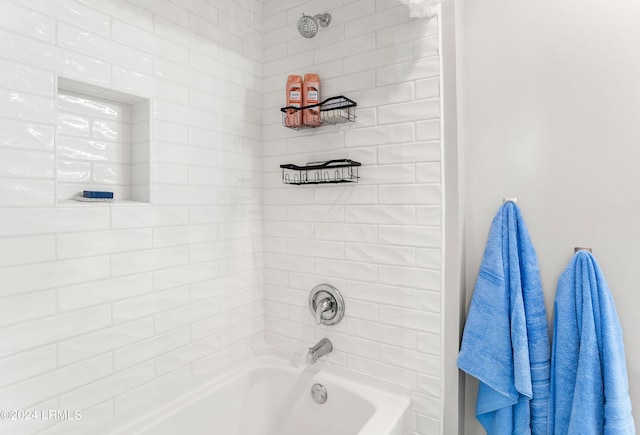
x=379 y=241
x=110 y=307
x=93 y=145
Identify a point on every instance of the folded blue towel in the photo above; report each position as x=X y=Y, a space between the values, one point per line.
x=589 y=391
x=505 y=344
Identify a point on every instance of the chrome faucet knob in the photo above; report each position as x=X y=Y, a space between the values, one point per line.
x=322 y=307
x=326 y=304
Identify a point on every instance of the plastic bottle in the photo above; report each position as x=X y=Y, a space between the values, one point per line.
x=310 y=96
x=293 y=118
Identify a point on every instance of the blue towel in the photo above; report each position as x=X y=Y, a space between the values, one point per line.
x=589 y=387
x=505 y=344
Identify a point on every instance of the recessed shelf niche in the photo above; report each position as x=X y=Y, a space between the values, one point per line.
x=102 y=142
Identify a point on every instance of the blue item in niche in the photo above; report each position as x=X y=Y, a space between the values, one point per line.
x=97 y=194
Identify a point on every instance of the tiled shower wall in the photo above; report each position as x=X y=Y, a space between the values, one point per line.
x=379 y=241
x=107 y=307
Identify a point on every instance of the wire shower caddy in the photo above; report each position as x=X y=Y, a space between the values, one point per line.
x=334 y=110
x=329 y=172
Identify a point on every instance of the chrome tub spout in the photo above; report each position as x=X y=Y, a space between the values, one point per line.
x=322 y=348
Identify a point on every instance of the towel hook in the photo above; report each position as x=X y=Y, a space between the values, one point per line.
x=580 y=248
x=514 y=200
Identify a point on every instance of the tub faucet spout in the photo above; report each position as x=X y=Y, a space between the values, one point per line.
x=322 y=348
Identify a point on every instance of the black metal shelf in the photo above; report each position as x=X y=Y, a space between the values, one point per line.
x=329 y=172
x=334 y=110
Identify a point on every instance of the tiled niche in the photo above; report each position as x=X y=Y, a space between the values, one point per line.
x=102 y=142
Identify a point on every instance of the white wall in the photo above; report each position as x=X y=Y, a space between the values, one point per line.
x=107 y=307
x=379 y=242
x=551 y=117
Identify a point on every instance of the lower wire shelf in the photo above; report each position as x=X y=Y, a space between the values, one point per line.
x=329 y=172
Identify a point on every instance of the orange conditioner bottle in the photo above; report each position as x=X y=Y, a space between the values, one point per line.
x=310 y=96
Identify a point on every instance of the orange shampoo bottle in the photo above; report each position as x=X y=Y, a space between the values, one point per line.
x=293 y=117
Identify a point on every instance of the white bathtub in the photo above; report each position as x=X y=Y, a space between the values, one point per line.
x=268 y=396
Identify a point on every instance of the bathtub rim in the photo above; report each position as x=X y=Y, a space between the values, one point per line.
x=396 y=397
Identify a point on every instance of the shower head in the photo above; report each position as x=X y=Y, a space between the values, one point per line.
x=308 y=25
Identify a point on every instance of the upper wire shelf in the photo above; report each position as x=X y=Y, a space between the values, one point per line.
x=334 y=110
x=331 y=171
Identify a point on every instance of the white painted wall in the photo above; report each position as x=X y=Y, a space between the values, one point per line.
x=105 y=308
x=551 y=109
x=379 y=241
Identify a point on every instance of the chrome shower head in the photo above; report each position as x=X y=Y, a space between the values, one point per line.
x=308 y=25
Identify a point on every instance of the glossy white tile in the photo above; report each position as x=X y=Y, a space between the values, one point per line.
x=380 y=214
x=186 y=315
x=219 y=218
x=27 y=22
x=111 y=174
x=107 y=387
x=23 y=250
x=25 y=163
x=428 y=130
x=74 y=125
x=143 y=350
x=104 y=340
x=32 y=391
x=143 y=216
x=220 y=322
x=21 y=192
x=104 y=242
x=40 y=276
x=94 y=45
x=146 y=40
x=82 y=67
x=105 y=291
x=26 y=78
x=183 y=275
x=424 y=279
x=182 y=235
x=149 y=260
x=27 y=307
x=27 y=364
x=16 y=104
x=76 y=12
x=411 y=111
x=393 y=255
x=428 y=237
x=22 y=135
x=31 y=221
x=70 y=101
x=73 y=172
x=141 y=306
x=411 y=359
x=410 y=318
x=28 y=335
x=382 y=294
x=152 y=393
x=215 y=287
x=185 y=355
x=383 y=333
x=412 y=152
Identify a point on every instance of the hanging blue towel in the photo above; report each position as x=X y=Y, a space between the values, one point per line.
x=589 y=387
x=505 y=344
